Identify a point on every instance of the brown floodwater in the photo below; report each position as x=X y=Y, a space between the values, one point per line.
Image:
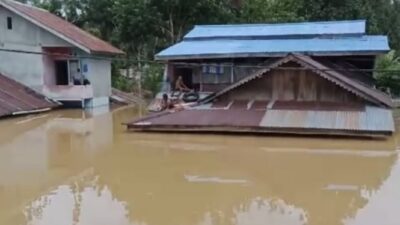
x=74 y=168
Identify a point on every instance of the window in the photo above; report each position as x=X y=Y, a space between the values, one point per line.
x=213 y=69
x=68 y=72
x=216 y=74
x=9 y=23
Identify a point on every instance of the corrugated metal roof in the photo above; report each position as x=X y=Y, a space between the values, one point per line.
x=206 y=117
x=16 y=98
x=61 y=28
x=368 y=45
x=370 y=119
x=352 y=27
x=353 y=86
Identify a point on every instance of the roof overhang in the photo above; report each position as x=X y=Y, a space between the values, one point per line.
x=233 y=48
x=264 y=55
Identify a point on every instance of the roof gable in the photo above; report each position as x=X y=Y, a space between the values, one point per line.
x=61 y=28
x=369 y=94
x=353 y=27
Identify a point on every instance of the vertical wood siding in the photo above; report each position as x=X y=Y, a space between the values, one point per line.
x=292 y=85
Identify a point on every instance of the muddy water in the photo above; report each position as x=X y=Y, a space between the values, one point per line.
x=70 y=167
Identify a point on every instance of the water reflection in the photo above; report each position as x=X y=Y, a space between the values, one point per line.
x=383 y=204
x=78 y=204
x=73 y=168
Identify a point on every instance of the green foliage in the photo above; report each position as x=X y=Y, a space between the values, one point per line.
x=389 y=78
x=152 y=78
x=122 y=83
x=262 y=11
x=119 y=81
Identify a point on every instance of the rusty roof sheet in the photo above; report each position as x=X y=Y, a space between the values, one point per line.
x=16 y=98
x=206 y=117
x=318 y=106
x=61 y=28
x=356 y=87
x=370 y=120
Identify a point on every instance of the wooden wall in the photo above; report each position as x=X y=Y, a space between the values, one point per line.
x=216 y=82
x=291 y=85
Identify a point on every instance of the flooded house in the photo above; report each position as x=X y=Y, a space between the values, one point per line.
x=54 y=57
x=313 y=78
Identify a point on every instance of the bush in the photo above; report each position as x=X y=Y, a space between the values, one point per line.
x=120 y=82
x=389 y=79
x=152 y=78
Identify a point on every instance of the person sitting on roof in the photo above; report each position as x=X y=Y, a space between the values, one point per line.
x=166 y=103
x=180 y=85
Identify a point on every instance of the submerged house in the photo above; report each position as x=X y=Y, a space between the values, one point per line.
x=54 y=57
x=297 y=78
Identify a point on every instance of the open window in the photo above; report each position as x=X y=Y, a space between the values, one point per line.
x=68 y=72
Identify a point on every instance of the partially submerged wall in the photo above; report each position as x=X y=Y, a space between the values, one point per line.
x=98 y=72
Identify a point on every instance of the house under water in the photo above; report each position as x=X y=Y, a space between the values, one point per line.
x=298 y=78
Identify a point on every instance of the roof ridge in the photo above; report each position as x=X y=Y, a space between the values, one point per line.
x=280 y=24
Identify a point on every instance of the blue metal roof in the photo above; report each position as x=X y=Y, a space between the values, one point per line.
x=224 y=48
x=354 y=27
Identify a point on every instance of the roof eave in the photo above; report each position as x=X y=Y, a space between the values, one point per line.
x=111 y=53
x=265 y=54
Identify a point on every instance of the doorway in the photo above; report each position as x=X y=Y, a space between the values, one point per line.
x=62 y=77
x=187 y=76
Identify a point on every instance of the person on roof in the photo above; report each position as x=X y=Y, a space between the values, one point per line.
x=180 y=85
x=166 y=103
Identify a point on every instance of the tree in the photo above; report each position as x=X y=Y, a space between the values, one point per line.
x=268 y=11
x=98 y=17
x=71 y=10
x=178 y=16
x=388 y=75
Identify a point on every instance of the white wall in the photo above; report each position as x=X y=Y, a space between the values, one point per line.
x=25 y=36
x=25 y=68
x=99 y=74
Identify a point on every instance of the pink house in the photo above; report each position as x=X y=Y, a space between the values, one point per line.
x=53 y=56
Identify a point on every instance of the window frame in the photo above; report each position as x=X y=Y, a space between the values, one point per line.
x=213 y=69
